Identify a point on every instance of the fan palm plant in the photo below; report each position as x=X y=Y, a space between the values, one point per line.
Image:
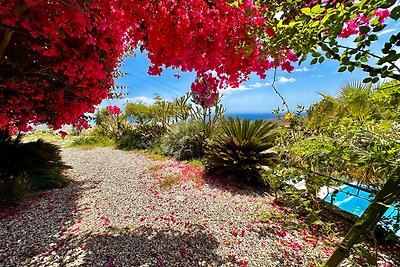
x=242 y=148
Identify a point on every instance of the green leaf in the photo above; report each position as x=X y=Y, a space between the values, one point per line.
x=328 y=55
x=379 y=27
x=317 y=9
x=373 y=37
x=359 y=38
x=306 y=11
x=395 y=14
x=364 y=29
x=367 y=80
x=321 y=59
x=350 y=68
x=387 y=4
x=314 y=61
x=342 y=69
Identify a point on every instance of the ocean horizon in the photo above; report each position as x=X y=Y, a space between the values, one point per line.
x=251 y=116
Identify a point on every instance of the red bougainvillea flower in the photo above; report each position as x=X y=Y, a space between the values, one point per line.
x=270 y=31
x=63 y=134
x=113 y=110
x=382 y=14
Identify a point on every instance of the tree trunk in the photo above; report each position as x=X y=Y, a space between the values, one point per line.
x=389 y=193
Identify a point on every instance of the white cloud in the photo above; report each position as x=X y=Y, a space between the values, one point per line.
x=386 y=31
x=243 y=87
x=286 y=80
x=139 y=99
x=240 y=88
x=301 y=70
x=258 y=85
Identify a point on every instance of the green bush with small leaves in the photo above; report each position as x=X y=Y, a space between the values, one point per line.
x=143 y=136
x=185 y=140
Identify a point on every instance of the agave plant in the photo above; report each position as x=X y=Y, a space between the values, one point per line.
x=242 y=148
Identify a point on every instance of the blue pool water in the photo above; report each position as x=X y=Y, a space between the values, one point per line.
x=356 y=201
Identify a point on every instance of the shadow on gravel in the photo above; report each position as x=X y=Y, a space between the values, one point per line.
x=225 y=184
x=36 y=227
x=147 y=246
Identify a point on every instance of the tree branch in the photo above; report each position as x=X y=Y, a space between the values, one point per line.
x=365 y=67
x=277 y=92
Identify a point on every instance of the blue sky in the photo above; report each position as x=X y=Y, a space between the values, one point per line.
x=301 y=87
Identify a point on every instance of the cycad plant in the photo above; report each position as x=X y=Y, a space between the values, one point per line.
x=242 y=148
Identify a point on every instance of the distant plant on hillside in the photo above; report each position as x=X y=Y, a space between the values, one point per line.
x=242 y=148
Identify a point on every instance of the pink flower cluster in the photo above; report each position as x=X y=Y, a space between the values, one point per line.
x=352 y=26
x=113 y=110
x=205 y=89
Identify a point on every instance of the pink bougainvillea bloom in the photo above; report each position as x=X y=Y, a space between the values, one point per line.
x=74 y=230
x=242 y=233
x=283 y=232
x=286 y=66
x=63 y=134
x=382 y=14
x=234 y=232
x=243 y=262
x=113 y=110
x=351 y=27
x=270 y=31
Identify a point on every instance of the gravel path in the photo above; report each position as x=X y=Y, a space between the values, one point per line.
x=125 y=209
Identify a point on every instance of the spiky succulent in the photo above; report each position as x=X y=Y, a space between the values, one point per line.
x=242 y=148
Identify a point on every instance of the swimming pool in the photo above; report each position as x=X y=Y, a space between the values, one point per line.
x=356 y=201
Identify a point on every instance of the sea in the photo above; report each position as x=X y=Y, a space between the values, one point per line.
x=251 y=116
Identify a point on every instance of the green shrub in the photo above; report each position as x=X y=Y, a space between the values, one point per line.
x=93 y=141
x=242 y=148
x=43 y=165
x=112 y=125
x=185 y=140
x=142 y=137
x=35 y=165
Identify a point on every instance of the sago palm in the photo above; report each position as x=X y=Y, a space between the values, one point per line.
x=242 y=148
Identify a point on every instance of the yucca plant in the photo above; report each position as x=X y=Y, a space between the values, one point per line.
x=242 y=148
